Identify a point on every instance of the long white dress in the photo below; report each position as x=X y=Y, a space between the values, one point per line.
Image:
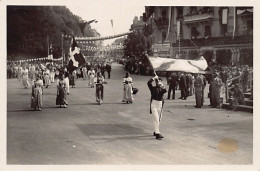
x=127 y=94
x=25 y=80
x=46 y=77
x=91 y=76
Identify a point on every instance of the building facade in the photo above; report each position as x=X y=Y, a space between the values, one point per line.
x=221 y=34
x=137 y=23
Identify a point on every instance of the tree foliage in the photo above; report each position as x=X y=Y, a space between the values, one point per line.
x=29 y=28
x=135 y=45
x=135 y=53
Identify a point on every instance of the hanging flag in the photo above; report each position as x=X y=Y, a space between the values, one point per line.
x=165 y=64
x=76 y=59
x=178 y=29
x=224 y=16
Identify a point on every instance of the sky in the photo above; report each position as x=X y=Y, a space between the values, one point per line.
x=121 y=12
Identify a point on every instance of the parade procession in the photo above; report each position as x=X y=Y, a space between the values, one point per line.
x=153 y=85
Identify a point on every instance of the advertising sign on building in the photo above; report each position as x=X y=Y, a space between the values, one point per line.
x=161 y=49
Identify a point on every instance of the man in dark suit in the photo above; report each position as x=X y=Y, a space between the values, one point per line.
x=108 y=69
x=103 y=69
x=188 y=81
x=203 y=88
x=172 y=84
x=183 y=86
x=198 y=85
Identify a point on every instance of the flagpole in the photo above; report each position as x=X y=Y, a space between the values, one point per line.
x=234 y=18
x=169 y=25
x=179 y=36
x=48 y=45
x=179 y=46
x=62 y=50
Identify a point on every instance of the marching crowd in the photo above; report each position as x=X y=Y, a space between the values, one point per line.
x=41 y=75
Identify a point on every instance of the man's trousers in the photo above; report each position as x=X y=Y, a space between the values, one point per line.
x=156 y=108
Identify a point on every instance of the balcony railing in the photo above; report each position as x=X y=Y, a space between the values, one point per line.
x=215 y=41
x=198 y=17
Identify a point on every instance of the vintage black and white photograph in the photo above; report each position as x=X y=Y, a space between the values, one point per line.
x=128 y=83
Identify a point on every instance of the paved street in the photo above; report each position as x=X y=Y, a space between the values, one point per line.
x=117 y=133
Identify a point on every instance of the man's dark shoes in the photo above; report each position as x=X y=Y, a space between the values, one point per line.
x=159 y=136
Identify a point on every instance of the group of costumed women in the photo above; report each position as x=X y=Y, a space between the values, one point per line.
x=37 y=92
x=63 y=86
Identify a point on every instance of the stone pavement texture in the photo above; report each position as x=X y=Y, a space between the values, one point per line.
x=116 y=133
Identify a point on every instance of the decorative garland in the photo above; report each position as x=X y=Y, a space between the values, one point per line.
x=101 y=38
x=36 y=59
x=107 y=48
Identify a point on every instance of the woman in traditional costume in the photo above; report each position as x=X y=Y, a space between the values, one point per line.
x=37 y=88
x=61 y=92
x=46 y=77
x=25 y=79
x=128 y=85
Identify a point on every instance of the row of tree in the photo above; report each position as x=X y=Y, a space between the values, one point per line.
x=31 y=30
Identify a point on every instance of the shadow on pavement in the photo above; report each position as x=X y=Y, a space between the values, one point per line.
x=79 y=87
x=141 y=137
x=96 y=103
x=50 y=107
x=114 y=103
x=22 y=110
x=109 y=129
x=32 y=110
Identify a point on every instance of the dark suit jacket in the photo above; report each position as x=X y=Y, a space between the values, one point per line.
x=173 y=80
x=188 y=81
x=182 y=82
